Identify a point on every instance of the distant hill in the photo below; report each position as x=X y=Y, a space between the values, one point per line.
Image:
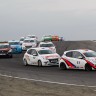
x=62 y=46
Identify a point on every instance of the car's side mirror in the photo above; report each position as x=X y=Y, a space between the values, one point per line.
x=35 y=54
x=80 y=57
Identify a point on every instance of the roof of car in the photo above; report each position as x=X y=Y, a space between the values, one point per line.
x=46 y=43
x=13 y=41
x=4 y=43
x=81 y=50
x=29 y=39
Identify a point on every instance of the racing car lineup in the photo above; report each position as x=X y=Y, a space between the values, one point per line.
x=44 y=54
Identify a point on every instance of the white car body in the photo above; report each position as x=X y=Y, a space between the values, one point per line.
x=21 y=40
x=28 y=44
x=49 y=45
x=32 y=37
x=78 y=59
x=34 y=55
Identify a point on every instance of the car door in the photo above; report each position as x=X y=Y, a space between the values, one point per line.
x=34 y=57
x=29 y=56
x=74 y=60
x=78 y=59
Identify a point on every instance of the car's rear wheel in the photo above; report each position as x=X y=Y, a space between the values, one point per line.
x=39 y=63
x=63 y=66
x=25 y=62
x=88 y=67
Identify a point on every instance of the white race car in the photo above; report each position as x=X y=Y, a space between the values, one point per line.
x=49 y=45
x=40 y=57
x=78 y=59
x=28 y=43
x=21 y=40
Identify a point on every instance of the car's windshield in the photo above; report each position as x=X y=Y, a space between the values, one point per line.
x=46 y=45
x=14 y=43
x=33 y=37
x=22 y=39
x=41 y=52
x=4 y=46
x=28 y=41
x=90 y=54
x=31 y=40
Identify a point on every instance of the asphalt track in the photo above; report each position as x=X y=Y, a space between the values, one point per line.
x=14 y=67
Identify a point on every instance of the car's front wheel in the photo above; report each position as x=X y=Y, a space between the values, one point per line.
x=88 y=67
x=63 y=66
x=10 y=55
x=39 y=63
x=25 y=62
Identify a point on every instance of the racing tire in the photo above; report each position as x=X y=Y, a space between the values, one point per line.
x=25 y=62
x=39 y=63
x=63 y=66
x=88 y=67
x=10 y=56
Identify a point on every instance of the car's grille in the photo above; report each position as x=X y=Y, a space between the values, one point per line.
x=14 y=49
x=3 y=52
x=53 y=60
x=28 y=47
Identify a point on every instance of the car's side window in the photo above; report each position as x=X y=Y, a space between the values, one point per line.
x=29 y=51
x=69 y=54
x=34 y=52
x=77 y=55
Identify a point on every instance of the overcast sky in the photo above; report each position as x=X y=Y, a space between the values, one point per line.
x=71 y=19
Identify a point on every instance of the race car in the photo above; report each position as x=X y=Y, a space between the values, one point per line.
x=78 y=59
x=15 y=46
x=21 y=40
x=52 y=38
x=28 y=43
x=40 y=57
x=5 y=49
x=48 y=45
x=47 y=38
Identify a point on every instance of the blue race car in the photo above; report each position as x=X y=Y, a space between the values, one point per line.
x=15 y=46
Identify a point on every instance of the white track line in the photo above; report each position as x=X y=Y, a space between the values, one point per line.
x=47 y=81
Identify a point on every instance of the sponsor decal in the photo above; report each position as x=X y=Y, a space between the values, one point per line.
x=52 y=56
x=69 y=63
x=91 y=64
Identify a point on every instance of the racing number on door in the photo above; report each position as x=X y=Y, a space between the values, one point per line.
x=78 y=62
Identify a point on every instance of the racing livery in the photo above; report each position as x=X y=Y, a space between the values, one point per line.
x=40 y=57
x=5 y=49
x=78 y=59
x=15 y=46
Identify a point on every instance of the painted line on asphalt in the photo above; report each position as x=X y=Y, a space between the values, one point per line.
x=47 y=81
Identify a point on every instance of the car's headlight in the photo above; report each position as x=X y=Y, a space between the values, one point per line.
x=45 y=58
x=10 y=50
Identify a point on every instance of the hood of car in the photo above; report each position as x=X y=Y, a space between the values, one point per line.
x=15 y=46
x=50 y=56
x=27 y=44
x=5 y=49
